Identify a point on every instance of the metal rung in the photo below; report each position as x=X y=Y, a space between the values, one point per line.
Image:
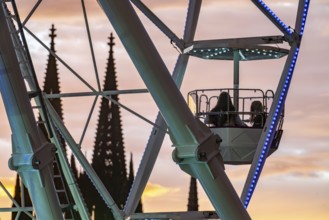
x=19 y=47
x=23 y=62
x=60 y=191
x=10 y=16
x=66 y=206
x=36 y=107
x=15 y=32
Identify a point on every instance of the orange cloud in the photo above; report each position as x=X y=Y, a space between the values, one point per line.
x=9 y=184
x=156 y=190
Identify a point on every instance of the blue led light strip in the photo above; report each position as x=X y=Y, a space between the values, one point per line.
x=282 y=26
x=303 y=21
x=277 y=113
x=272 y=129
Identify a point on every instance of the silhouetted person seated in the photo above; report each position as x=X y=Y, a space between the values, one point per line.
x=224 y=115
x=258 y=116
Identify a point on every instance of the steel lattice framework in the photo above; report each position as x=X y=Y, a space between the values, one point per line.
x=196 y=146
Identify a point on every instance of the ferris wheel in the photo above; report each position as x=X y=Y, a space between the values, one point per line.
x=205 y=138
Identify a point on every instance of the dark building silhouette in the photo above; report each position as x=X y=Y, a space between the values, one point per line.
x=51 y=83
x=74 y=167
x=139 y=208
x=193 y=196
x=52 y=86
x=108 y=155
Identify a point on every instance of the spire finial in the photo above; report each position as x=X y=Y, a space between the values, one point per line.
x=111 y=43
x=52 y=34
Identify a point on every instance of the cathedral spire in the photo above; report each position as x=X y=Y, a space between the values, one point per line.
x=139 y=208
x=193 y=196
x=110 y=82
x=51 y=83
x=109 y=156
x=52 y=86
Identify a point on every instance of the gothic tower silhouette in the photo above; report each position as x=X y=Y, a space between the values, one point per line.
x=193 y=196
x=52 y=86
x=109 y=156
x=131 y=177
x=51 y=83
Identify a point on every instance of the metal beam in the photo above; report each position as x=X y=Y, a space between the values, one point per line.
x=191 y=215
x=248 y=42
x=157 y=134
x=236 y=78
x=281 y=93
x=285 y=29
x=16 y=207
x=71 y=182
x=270 y=126
x=31 y=12
x=101 y=189
x=196 y=146
x=103 y=93
x=27 y=73
x=157 y=22
x=301 y=16
x=32 y=155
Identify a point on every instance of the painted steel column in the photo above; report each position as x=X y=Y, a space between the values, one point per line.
x=26 y=71
x=32 y=155
x=157 y=135
x=236 y=79
x=196 y=146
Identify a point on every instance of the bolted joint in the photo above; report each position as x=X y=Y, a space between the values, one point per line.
x=209 y=148
x=293 y=38
x=218 y=140
x=202 y=156
x=203 y=151
x=42 y=157
x=35 y=163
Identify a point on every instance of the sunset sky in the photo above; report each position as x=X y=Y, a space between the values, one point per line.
x=295 y=180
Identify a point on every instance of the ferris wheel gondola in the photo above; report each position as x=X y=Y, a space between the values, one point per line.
x=238 y=140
